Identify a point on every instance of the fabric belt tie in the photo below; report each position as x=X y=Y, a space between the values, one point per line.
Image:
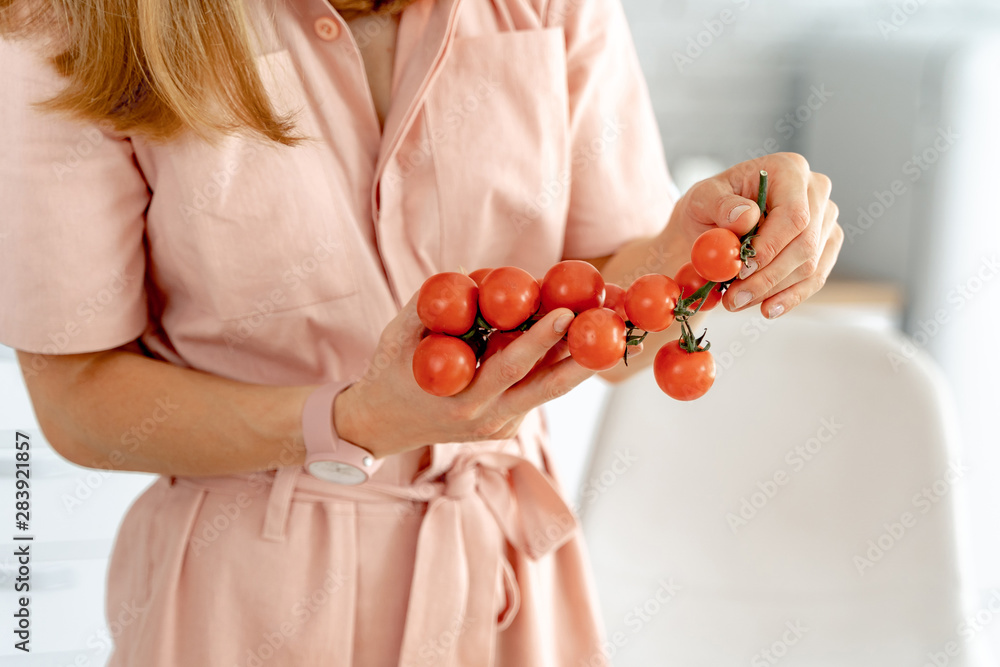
x=461 y=572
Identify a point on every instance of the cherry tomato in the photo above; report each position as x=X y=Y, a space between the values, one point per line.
x=650 y=302
x=443 y=365
x=448 y=303
x=572 y=284
x=690 y=282
x=683 y=375
x=597 y=339
x=614 y=299
x=716 y=255
x=478 y=275
x=508 y=297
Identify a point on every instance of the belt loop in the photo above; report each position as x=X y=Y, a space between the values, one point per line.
x=279 y=503
x=513 y=594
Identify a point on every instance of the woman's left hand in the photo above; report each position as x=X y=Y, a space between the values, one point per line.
x=797 y=244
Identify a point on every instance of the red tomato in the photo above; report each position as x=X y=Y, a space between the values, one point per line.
x=690 y=282
x=681 y=374
x=650 y=302
x=716 y=255
x=614 y=299
x=478 y=275
x=572 y=284
x=508 y=297
x=448 y=303
x=597 y=339
x=443 y=365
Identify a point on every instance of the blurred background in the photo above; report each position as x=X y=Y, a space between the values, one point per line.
x=898 y=102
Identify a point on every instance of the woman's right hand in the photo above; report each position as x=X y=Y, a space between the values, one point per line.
x=386 y=412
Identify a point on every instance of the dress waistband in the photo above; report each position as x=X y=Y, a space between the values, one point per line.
x=449 y=580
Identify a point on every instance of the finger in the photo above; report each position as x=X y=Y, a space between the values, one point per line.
x=557 y=352
x=785 y=300
x=797 y=261
x=516 y=360
x=543 y=385
x=508 y=430
x=714 y=203
x=790 y=205
x=808 y=269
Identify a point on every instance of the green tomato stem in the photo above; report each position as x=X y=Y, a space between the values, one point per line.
x=747 y=251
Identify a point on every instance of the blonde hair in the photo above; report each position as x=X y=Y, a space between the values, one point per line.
x=155 y=67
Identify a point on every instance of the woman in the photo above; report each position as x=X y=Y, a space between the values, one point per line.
x=215 y=228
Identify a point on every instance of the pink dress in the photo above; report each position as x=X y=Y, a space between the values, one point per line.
x=520 y=132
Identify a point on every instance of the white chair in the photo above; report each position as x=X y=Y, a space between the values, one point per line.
x=802 y=513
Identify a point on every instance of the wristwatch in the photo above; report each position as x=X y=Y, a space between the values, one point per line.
x=328 y=457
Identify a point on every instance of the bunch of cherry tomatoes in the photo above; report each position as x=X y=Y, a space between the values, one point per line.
x=472 y=317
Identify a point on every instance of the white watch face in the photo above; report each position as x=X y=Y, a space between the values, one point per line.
x=337 y=472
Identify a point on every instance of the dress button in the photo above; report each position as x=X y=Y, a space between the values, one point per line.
x=327 y=28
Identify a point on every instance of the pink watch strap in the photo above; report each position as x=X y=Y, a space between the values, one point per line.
x=328 y=457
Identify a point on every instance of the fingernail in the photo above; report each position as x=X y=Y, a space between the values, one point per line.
x=775 y=311
x=738 y=211
x=742 y=299
x=748 y=268
x=562 y=323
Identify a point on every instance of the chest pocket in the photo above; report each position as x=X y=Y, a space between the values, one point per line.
x=498 y=126
x=254 y=227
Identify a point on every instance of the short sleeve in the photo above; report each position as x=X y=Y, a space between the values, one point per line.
x=72 y=202
x=620 y=187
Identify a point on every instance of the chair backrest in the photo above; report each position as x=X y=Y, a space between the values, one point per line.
x=803 y=511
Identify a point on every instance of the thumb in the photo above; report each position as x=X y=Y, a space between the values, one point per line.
x=737 y=214
x=713 y=202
